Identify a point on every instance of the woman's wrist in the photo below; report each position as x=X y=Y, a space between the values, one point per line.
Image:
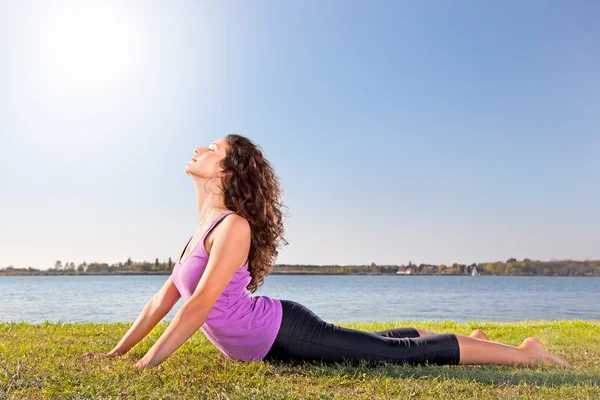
x=116 y=352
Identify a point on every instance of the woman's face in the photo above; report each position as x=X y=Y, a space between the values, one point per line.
x=204 y=162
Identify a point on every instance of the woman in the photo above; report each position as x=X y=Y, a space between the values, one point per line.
x=231 y=251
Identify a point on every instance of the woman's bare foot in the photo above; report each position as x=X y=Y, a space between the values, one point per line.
x=539 y=354
x=478 y=334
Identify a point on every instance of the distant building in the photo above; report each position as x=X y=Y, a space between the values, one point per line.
x=405 y=271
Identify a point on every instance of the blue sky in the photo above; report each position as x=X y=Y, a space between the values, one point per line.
x=435 y=132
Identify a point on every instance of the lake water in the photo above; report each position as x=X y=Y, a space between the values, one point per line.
x=341 y=298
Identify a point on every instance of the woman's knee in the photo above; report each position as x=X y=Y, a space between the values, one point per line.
x=424 y=332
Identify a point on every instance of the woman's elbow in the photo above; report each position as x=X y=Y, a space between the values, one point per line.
x=164 y=303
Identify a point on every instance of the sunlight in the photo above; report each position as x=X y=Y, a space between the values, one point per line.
x=86 y=46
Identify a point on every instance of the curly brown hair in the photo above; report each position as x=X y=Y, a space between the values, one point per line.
x=251 y=189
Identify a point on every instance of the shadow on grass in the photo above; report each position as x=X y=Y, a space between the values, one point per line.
x=544 y=375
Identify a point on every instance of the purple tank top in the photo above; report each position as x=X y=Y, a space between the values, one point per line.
x=239 y=325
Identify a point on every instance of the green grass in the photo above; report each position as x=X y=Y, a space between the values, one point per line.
x=45 y=361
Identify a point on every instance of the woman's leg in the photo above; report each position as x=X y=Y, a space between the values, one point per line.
x=417 y=332
x=477 y=351
x=530 y=352
x=402 y=332
x=305 y=336
x=316 y=340
x=472 y=353
x=478 y=334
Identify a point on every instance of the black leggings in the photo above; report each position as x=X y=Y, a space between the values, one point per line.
x=305 y=336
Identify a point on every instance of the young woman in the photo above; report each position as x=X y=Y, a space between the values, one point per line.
x=227 y=258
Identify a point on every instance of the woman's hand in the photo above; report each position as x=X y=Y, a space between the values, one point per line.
x=144 y=364
x=110 y=354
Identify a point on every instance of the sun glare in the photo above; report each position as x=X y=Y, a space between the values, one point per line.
x=86 y=45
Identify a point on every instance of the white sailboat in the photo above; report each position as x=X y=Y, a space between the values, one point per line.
x=474 y=272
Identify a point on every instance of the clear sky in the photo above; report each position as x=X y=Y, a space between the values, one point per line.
x=436 y=132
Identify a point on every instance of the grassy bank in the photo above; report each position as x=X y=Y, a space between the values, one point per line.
x=44 y=361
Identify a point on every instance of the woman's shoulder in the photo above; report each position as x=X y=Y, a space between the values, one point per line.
x=232 y=228
x=235 y=223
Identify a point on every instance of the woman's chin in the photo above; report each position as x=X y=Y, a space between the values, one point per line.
x=191 y=172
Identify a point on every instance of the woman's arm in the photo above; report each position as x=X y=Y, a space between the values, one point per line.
x=154 y=311
x=230 y=249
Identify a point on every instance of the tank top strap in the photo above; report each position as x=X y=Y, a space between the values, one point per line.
x=216 y=221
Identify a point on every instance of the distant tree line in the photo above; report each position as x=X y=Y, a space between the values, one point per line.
x=510 y=267
x=69 y=268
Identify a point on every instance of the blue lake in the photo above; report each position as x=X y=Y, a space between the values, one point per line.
x=341 y=298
